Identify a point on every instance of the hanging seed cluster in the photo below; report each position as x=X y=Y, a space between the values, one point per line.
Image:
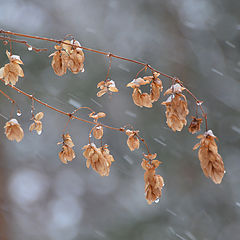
x=69 y=55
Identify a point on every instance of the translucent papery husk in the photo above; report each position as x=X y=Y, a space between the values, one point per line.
x=176 y=112
x=37 y=126
x=153 y=183
x=106 y=86
x=153 y=190
x=195 y=125
x=156 y=88
x=13 y=130
x=98 y=158
x=68 y=140
x=75 y=62
x=210 y=160
x=98 y=132
x=146 y=100
x=102 y=92
x=136 y=96
x=39 y=116
x=10 y=72
x=133 y=142
x=60 y=62
x=97 y=116
x=67 y=154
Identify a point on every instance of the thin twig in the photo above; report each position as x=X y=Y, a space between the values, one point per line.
x=106 y=54
x=5 y=95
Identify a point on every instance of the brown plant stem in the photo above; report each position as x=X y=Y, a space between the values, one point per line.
x=23 y=42
x=85 y=48
x=141 y=139
x=109 y=55
x=5 y=95
x=70 y=115
x=109 y=67
x=82 y=108
x=140 y=71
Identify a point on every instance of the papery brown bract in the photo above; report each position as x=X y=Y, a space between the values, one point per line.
x=195 y=125
x=210 y=160
x=96 y=116
x=133 y=141
x=67 y=140
x=68 y=57
x=60 y=62
x=145 y=99
x=76 y=56
x=37 y=125
x=99 y=158
x=11 y=71
x=98 y=132
x=107 y=86
x=176 y=108
x=136 y=96
x=75 y=62
x=67 y=154
x=156 y=86
x=153 y=183
x=13 y=130
x=136 y=83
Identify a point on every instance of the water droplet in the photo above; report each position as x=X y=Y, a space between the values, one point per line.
x=157 y=200
x=30 y=48
x=19 y=113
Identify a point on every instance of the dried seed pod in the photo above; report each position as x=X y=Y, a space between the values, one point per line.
x=67 y=140
x=156 y=88
x=68 y=57
x=195 y=125
x=97 y=116
x=13 y=130
x=136 y=96
x=133 y=141
x=136 y=83
x=60 y=62
x=210 y=160
x=98 y=132
x=99 y=158
x=37 y=125
x=11 y=71
x=176 y=108
x=76 y=56
x=153 y=183
x=67 y=154
x=75 y=62
x=106 y=86
x=146 y=100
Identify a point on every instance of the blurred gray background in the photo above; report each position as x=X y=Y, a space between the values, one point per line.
x=198 y=41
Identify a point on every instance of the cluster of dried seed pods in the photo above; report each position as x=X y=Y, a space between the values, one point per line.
x=12 y=70
x=69 y=56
